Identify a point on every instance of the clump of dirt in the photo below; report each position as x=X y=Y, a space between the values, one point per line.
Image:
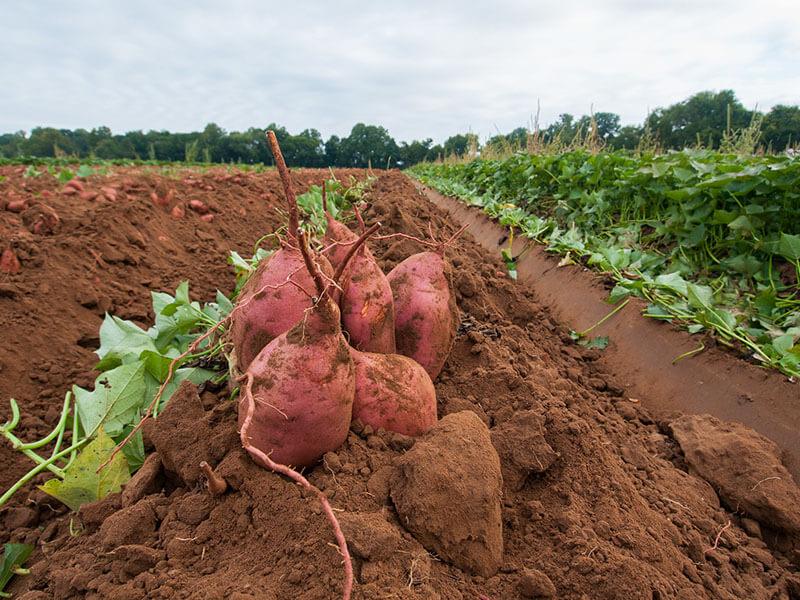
x=597 y=498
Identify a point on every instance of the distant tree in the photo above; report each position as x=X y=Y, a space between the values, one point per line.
x=460 y=144
x=10 y=144
x=563 y=130
x=332 y=151
x=257 y=145
x=781 y=127
x=702 y=118
x=608 y=124
x=414 y=153
x=47 y=141
x=117 y=146
x=139 y=142
x=627 y=138
x=211 y=138
x=435 y=153
x=368 y=145
x=518 y=138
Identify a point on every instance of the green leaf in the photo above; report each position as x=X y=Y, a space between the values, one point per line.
x=683 y=175
x=157 y=364
x=14 y=555
x=785 y=344
x=672 y=281
x=84 y=171
x=238 y=262
x=618 y=293
x=789 y=246
x=82 y=483
x=161 y=301
x=745 y=264
x=64 y=175
x=600 y=342
x=699 y=296
x=182 y=293
x=723 y=317
x=134 y=449
x=117 y=397
x=194 y=374
x=741 y=223
x=765 y=302
x=225 y=305
x=121 y=342
x=656 y=310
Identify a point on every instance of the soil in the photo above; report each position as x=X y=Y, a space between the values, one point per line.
x=644 y=353
x=543 y=478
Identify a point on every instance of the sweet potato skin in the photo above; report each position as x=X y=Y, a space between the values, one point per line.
x=426 y=316
x=367 y=306
x=339 y=239
x=393 y=392
x=275 y=305
x=302 y=386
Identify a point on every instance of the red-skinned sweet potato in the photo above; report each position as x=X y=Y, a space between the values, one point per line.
x=365 y=298
x=299 y=389
x=277 y=300
x=277 y=293
x=367 y=306
x=393 y=392
x=426 y=316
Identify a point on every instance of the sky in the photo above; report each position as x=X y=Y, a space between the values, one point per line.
x=420 y=69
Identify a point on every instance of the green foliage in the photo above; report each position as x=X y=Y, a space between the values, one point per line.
x=140 y=369
x=708 y=238
x=82 y=483
x=14 y=556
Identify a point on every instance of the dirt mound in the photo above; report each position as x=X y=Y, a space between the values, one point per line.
x=597 y=499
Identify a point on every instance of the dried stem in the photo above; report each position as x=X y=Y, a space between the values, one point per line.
x=358 y=216
x=405 y=236
x=443 y=245
x=291 y=199
x=312 y=268
x=294 y=475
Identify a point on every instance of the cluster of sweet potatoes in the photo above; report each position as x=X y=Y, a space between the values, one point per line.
x=322 y=337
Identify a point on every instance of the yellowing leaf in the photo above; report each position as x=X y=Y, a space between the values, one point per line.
x=82 y=483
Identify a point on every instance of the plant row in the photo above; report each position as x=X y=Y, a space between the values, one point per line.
x=710 y=239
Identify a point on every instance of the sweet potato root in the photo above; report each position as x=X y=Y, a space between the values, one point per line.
x=426 y=316
x=393 y=392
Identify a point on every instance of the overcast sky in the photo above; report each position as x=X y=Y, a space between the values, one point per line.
x=420 y=69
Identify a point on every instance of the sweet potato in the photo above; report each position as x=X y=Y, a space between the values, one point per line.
x=276 y=294
x=367 y=305
x=277 y=301
x=365 y=298
x=9 y=261
x=393 y=392
x=338 y=238
x=297 y=400
x=426 y=316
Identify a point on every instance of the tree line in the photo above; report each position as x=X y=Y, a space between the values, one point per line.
x=704 y=119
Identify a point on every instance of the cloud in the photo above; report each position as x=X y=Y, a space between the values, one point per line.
x=421 y=69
